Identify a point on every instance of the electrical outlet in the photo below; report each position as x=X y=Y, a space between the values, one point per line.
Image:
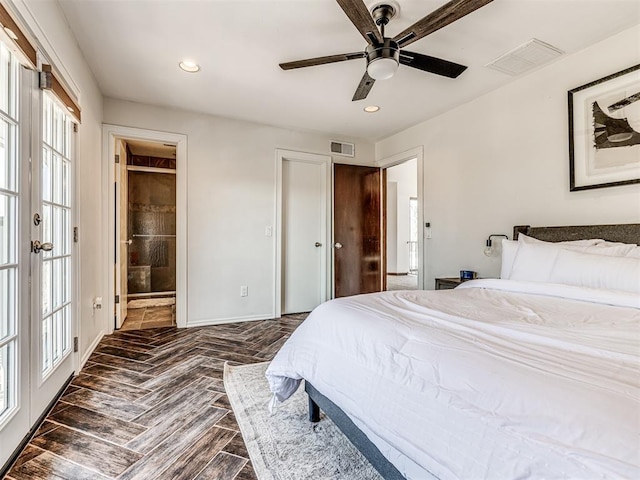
x=244 y=291
x=268 y=231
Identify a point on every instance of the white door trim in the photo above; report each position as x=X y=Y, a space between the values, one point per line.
x=397 y=159
x=325 y=161
x=109 y=135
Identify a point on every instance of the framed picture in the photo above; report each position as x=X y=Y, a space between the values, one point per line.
x=604 y=131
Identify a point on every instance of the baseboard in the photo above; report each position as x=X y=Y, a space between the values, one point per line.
x=90 y=350
x=16 y=453
x=219 y=321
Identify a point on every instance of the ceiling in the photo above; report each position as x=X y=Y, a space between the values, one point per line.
x=134 y=47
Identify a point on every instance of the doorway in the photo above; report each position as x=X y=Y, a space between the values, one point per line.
x=146 y=226
x=404 y=202
x=402 y=225
x=153 y=250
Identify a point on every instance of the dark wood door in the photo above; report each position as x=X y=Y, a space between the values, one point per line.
x=357 y=227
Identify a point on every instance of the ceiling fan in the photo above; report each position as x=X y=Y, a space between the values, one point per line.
x=384 y=54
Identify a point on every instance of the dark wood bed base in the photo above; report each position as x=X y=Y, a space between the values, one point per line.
x=318 y=401
x=626 y=233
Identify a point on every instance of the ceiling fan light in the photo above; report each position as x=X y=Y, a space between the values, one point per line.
x=382 y=68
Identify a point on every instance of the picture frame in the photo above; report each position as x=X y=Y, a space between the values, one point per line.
x=604 y=131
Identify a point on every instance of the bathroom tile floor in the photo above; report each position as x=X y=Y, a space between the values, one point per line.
x=149 y=317
x=151 y=404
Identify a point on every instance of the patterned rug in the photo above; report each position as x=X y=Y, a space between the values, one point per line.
x=285 y=445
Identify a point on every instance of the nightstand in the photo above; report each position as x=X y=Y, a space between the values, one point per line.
x=447 y=283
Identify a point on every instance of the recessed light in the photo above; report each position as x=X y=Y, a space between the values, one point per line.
x=371 y=108
x=189 y=66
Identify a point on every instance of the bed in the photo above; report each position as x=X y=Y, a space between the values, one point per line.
x=535 y=374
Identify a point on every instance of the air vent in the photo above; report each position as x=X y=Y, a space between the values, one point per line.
x=525 y=57
x=340 y=148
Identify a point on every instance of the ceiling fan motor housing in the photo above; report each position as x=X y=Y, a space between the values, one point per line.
x=382 y=60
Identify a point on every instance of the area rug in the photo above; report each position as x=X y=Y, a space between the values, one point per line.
x=285 y=445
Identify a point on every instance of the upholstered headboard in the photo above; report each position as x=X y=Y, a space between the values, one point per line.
x=626 y=233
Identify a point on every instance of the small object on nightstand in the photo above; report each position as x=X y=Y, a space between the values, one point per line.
x=468 y=274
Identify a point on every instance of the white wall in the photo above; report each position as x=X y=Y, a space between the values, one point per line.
x=49 y=26
x=231 y=199
x=502 y=160
x=405 y=178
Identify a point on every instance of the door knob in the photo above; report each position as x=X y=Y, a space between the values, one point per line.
x=338 y=245
x=37 y=247
x=318 y=244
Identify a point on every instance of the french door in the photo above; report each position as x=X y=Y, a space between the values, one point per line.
x=52 y=258
x=36 y=251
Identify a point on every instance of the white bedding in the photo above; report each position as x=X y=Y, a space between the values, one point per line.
x=495 y=379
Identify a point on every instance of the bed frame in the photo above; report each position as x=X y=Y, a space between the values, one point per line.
x=626 y=233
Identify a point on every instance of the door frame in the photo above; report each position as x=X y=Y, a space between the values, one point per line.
x=397 y=159
x=109 y=135
x=326 y=271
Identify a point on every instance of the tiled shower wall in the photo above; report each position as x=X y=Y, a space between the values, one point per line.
x=152 y=227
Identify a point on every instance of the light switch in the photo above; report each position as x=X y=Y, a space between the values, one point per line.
x=427 y=231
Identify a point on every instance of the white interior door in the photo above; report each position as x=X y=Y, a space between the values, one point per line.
x=53 y=262
x=123 y=240
x=304 y=207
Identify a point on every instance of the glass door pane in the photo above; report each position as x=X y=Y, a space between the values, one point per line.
x=55 y=271
x=152 y=229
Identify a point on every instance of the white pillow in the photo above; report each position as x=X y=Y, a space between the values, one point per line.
x=596 y=271
x=535 y=261
x=509 y=251
x=586 y=243
x=634 y=252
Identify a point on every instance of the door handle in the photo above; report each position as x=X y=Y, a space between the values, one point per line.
x=318 y=244
x=338 y=245
x=37 y=247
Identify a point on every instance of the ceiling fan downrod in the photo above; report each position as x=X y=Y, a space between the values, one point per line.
x=383 y=58
x=382 y=14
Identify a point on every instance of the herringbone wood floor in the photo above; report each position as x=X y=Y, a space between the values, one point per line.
x=150 y=404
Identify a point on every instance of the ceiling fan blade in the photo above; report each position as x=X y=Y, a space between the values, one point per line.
x=443 y=16
x=310 y=62
x=359 y=15
x=431 y=64
x=363 y=88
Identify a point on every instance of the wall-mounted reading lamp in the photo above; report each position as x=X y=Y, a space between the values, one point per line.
x=488 y=250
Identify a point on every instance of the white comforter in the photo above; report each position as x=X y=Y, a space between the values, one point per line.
x=495 y=379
